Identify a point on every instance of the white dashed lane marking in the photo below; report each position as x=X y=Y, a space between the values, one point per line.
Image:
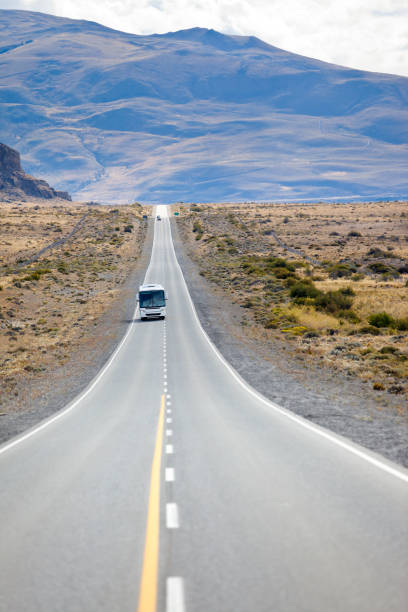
x=174 y=584
x=174 y=594
x=170 y=474
x=172 y=516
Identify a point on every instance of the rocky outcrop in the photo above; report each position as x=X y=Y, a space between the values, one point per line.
x=16 y=184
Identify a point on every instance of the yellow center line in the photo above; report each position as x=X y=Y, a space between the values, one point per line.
x=148 y=582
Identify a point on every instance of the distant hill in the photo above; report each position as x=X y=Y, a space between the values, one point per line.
x=194 y=115
x=15 y=184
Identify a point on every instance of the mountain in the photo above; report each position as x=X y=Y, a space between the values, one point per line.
x=194 y=115
x=16 y=184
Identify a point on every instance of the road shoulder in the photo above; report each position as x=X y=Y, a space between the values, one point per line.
x=42 y=396
x=339 y=403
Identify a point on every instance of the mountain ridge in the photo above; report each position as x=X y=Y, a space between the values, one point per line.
x=195 y=115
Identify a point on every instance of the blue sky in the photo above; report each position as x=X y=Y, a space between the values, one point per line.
x=367 y=34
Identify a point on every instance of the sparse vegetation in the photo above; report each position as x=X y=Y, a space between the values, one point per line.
x=313 y=274
x=50 y=306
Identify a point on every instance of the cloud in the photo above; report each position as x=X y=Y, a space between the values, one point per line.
x=366 y=34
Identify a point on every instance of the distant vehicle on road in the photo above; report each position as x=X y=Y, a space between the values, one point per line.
x=158 y=218
x=152 y=302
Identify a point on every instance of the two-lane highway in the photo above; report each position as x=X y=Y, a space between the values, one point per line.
x=170 y=485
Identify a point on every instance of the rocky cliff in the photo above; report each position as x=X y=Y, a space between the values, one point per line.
x=16 y=184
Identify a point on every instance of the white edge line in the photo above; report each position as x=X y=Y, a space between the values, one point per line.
x=390 y=468
x=175 y=594
x=64 y=411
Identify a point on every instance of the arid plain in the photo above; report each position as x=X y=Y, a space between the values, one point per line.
x=63 y=268
x=328 y=280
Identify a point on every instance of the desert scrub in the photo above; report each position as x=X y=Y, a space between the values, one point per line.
x=198 y=229
x=36 y=274
x=341 y=270
x=381 y=319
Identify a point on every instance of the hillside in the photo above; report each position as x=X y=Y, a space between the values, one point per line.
x=16 y=184
x=194 y=115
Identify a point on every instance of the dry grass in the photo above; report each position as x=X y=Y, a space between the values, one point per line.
x=50 y=306
x=360 y=248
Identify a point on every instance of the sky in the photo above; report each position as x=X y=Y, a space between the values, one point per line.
x=365 y=34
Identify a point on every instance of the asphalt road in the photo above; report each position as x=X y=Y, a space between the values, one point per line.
x=170 y=485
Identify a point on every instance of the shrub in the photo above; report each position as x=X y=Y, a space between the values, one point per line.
x=402 y=324
x=376 y=252
x=279 y=262
x=380 y=268
x=304 y=290
x=282 y=273
x=357 y=277
x=354 y=234
x=347 y=291
x=369 y=329
x=378 y=386
x=341 y=270
x=197 y=227
x=36 y=274
x=386 y=350
x=271 y=324
x=62 y=267
x=381 y=319
x=128 y=228
x=333 y=302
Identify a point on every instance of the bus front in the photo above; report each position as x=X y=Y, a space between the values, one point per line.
x=152 y=302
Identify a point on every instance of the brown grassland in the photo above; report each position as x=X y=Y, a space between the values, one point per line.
x=49 y=306
x=331 y=280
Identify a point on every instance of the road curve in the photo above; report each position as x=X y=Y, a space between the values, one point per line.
x=170 y=485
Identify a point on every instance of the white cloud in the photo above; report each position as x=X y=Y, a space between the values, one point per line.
x=367 y=34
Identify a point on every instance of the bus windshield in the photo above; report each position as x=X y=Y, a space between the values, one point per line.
x=151 y=299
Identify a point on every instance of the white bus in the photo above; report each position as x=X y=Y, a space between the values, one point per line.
x=152 y=302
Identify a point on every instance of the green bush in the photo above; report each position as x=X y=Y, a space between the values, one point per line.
x=35 y=275
x=402 y=324
x=279 y=262
x=197 y=227
x=333 y=302
x=347 y=291
x=386 y=350
x=304 y=289
x=282 y=273
x=380 y=268
x=369 y=329
x=381 y=319
x=341 y=270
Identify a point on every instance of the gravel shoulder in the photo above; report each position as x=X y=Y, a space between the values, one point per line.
x=50 y=392
x=340 y=403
